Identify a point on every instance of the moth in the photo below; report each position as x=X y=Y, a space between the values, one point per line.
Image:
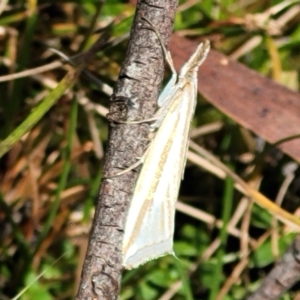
x=149 y=226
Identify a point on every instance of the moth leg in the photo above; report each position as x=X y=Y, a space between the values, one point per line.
x=153 y=119
x=167 y=54
x=164 y=96
x=133 y=166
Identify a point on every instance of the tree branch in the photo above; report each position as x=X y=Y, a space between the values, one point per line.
x=283 y=275
x=134 y=97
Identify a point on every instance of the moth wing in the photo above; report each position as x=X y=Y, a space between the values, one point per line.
x=149 y=225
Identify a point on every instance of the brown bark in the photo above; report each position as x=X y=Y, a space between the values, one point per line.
x=134 y=97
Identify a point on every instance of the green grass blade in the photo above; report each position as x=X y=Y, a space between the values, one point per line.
x=38 y=112
x=93 y=192
x=64 y=174
x=226 y=213
x=188 y=295
x=24 y=58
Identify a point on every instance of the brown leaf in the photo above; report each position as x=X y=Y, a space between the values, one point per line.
x=256 y=102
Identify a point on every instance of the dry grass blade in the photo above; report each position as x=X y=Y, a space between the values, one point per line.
x=260 y=199
x=42 y=69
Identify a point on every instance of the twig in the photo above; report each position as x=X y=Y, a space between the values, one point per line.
x=134 y=96
x=282 y=276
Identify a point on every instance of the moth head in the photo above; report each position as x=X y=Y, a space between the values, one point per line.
x=190 y=69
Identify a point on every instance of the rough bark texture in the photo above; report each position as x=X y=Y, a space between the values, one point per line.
x=134 y=98
x=283 y=275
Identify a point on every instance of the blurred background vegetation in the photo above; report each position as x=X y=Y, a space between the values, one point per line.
x=49 y=178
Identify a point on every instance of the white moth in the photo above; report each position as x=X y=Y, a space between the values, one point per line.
x=149 y=224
